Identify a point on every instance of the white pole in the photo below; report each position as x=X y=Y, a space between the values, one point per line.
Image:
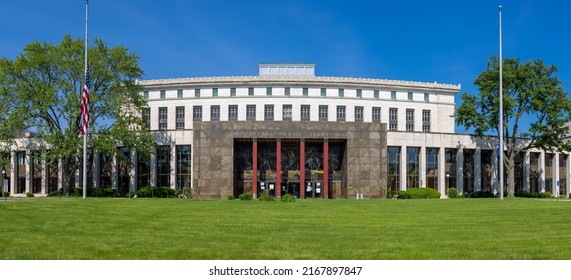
x=501 y=126
x=86 y=129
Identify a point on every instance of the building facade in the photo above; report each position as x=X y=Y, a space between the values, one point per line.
x=290 y=131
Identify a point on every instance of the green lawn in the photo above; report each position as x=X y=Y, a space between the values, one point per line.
x=166 y=229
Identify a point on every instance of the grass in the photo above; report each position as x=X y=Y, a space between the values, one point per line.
x=169 y=229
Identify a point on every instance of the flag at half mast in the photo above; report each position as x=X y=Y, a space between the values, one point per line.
x=85 y=104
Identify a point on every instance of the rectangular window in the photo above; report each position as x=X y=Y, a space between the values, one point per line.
x=305 y=91
x=359 y=93
x=214 y=113
x=425 y=121
x=233 y=112
x=251 y=91
x=393 y=166
x=163 y=117
x=179 y=93
x=410 y=95
x=233 y=91
x=251 y=112
x=197 y=92
x=376 y=114
x=180 y=117
x=183 y=167
x=164 y=166
x=269 y=91
x=214 y=92
x=323 y=113
x=197 y=113
x=341 y=92
x=323 y=92
x=359 y=113
x=426 y=97
x=340 y=113
x=432 y=168
x=304 y=112
x=376 y=94
x=163 y=94
x=409 y=119
x=146 y=116
x=146 y=95
x=287 y=112
x=393 y=95
x=393 y=119
x=269 y=112
x=287 y=91
x=412 y=167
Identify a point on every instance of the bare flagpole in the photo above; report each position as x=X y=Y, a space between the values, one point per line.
x=87 y=106
x=501 y=125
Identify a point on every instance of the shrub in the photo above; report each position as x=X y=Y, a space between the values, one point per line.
x=452 y=193
x=101 y=192
x=29 y=194
x=417 y=193
x=266 y=197
x=546 y=195
x=162 y=192
x=523 y=193
x=246 y=196
x=231 y=197
x=481 y=194
x=288 y=198
x=5 y=194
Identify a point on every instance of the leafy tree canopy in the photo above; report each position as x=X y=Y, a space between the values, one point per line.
x=40 y=92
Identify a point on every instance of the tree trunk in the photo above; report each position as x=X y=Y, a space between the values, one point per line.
x=511 y=176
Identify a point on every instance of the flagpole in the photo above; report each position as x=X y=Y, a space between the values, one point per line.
x=86 y=127
x=501 y=126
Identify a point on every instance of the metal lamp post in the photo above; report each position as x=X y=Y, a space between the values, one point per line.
x=4 y=187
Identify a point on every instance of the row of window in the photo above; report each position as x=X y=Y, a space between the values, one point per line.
x=287 y=115
x=287 y=92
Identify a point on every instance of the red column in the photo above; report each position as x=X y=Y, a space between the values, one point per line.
x=255 y=168
x=302 y=168
x=278 y=168
x=325 y=168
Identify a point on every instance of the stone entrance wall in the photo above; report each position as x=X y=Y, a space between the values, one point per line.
x=213 y=152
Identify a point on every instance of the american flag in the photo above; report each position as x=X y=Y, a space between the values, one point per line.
x=85 y=104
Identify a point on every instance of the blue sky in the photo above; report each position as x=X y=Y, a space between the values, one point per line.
x=443 y=41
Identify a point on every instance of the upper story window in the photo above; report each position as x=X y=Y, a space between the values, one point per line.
x=287 y=91
x=197 y=113
x=359 y=93
x=323 y=116
x=163 y=117
x=425 y=121
x=287 y=112
x=163 y=94
x=146 y=95
x=146 y=116
x=269 y=112
x=376 y=94
x=215 y=113
x=180 y=117
x=426 y=97
x=393 y=119
x=305 y=91
x=214 y=92
x=323 y=92
x=251 y=91
x=341 y=92
x=269 y=91
x=409 y=119
x=376 y=114
x=359 y=113
x=233 y=91
x=305 y=112
x=197 y=92
x=233 y=112
x=179 y=93
x=393 y=95
x=410 y=94
x=251 y=112
x=340 y=113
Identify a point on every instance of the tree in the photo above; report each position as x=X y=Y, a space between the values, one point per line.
x=531 y=91
x=40 y=93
